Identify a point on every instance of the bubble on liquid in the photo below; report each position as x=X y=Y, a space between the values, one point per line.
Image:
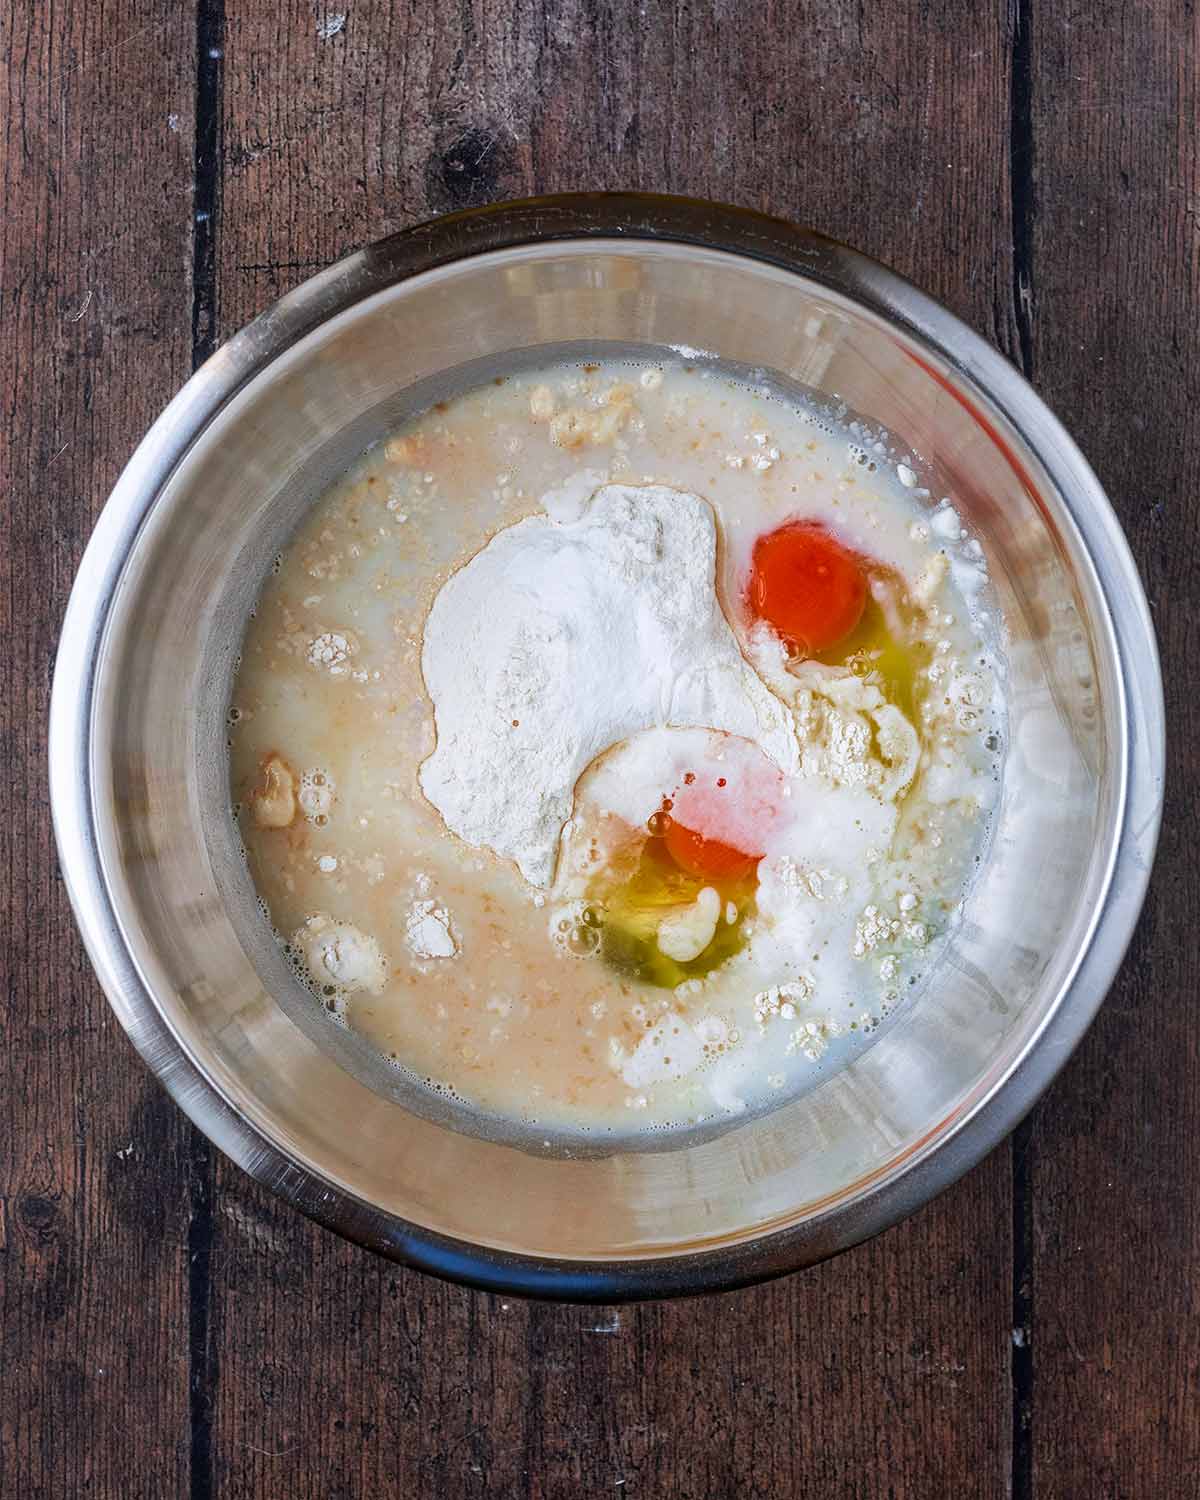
x=576 y=928
x=443 y=1089
x=583 y=941
x=316 y=796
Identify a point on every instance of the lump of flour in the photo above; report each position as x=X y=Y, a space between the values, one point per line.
x=565 y=635
x=339 y=954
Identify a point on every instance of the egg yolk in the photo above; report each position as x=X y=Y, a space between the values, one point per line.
x=690 y=847
x=708 y=858
x=807 y=586
x=660 y=884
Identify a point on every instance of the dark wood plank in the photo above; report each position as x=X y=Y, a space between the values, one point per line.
x=890 y=131
x=1116 y=345
x=95 y=178
x=886 y=1373
x=883 y=1373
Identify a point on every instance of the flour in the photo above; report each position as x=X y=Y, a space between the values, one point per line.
x=562 y=638
x=670 y=1050
x=332 y=650
x=427 y=931
x=340 y=954
x=849 y=732
x=782 y=1000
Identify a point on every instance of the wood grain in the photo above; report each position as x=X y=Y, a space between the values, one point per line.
x=1116 y=327
x=168 y=1329
x=94 y=236
x=887 y=130
x=882 y=1374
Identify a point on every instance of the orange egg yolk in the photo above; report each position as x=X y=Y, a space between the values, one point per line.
x=710 y=859
x=716 y=827
x=809 y=587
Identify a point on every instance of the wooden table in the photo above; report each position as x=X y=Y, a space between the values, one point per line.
x=169 y=1330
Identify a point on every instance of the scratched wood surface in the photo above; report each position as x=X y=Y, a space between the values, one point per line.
x=166 y=1328
x=1112 y=1157
x=95 y=332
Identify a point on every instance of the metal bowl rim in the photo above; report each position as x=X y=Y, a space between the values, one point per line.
x=616 y=216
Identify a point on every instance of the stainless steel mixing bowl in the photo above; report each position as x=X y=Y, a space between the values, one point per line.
x=138 y=749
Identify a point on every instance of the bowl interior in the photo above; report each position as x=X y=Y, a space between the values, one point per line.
x=168 y=846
